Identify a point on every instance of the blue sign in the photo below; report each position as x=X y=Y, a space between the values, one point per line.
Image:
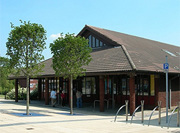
x=166 y=66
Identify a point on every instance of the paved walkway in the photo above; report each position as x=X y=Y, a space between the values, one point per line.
x=46 y=119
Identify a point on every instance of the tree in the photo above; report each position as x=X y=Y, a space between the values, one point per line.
x=70 y=53
x=24 y=47
x=5 y=85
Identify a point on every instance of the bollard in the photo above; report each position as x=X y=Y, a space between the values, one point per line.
x=159 y=120
x=178 y=115
x=126 y=101
x=142 y=110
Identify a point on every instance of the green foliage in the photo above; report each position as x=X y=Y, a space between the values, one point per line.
x=34 y=94
x=24 y=47
x=70 y=53
x=21 y=94
x=5 y=85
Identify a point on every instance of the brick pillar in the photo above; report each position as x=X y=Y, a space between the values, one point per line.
x=16 y=90
x=101 y=89
x=132 y=94
x=46 y=91
x=39 y=88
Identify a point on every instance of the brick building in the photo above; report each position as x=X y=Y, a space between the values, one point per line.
x=124 y=67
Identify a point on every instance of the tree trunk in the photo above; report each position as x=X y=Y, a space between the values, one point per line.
x=71 y=95
x=27 y=99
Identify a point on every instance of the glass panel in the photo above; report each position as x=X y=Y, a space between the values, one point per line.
x=93 y=43
x=93 y=85
x=90 y=41
x=109 y=86
x=140 y=87
x=65 y=87
x=124 y=86
x=114 y=88
x=105 y=91
x=101 y=44
x=146 y=87
x=83 y=86
x=128 y=93
x=97 y=43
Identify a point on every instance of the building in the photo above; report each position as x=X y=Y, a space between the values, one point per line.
x=124 y=67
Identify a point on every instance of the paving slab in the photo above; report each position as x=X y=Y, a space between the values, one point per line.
x=85 y=120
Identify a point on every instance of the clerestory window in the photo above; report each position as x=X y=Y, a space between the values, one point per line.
x=94 y=42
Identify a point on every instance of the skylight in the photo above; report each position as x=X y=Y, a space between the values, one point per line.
x=169 y=52
x=178 y=53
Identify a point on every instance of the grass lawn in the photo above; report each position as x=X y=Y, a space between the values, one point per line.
x=1 y=96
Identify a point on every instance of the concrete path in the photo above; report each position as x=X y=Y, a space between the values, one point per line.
x=84 y=120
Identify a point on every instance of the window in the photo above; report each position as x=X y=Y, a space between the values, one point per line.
x=101 y=44
x=178 y=53
x=108 y=84
x=89 y=85
x=143 y=88
x=94 y=42
x=90 y=41
x=97 y=43
x=124 y=86
x=146 y=87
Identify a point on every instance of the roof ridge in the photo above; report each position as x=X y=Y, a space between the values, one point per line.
x=129 y=57
x=128 y=35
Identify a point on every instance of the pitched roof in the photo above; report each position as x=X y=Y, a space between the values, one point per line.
x=125 y=53
x=145 y=54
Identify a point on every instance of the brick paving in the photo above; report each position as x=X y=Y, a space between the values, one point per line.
x=84 y=120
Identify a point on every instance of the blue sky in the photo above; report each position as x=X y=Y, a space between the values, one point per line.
x=152 y=19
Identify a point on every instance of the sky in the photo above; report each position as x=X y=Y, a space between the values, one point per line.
x=152 y=19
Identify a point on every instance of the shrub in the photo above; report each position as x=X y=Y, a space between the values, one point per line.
x=34 y=94
x=22 y=92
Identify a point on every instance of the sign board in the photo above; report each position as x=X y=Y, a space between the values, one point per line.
x=165 y=66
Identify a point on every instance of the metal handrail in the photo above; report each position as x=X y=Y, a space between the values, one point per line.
x=119 y=111
x=135 y=112
x=171 y=115
x=152 y=114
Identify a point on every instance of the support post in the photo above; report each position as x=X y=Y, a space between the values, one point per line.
x=159 y=120
x=167 y=91
x=39 y=88
x=46 y=91
x=178 y=115
x=16 y=90
x=101 y=89
x=142 y=110
x=126 y=101
x=71 y=95
x=132 y=94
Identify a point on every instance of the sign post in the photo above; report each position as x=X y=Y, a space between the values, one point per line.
x=166 y=68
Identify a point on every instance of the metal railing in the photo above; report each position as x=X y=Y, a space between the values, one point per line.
x=125 y=105
x=105 y=100
x=159 y=106
x=142 y=111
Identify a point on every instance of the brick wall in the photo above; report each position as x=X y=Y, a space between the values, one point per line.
x=175 y=97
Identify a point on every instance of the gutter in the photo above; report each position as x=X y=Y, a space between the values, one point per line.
x=129 y=58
